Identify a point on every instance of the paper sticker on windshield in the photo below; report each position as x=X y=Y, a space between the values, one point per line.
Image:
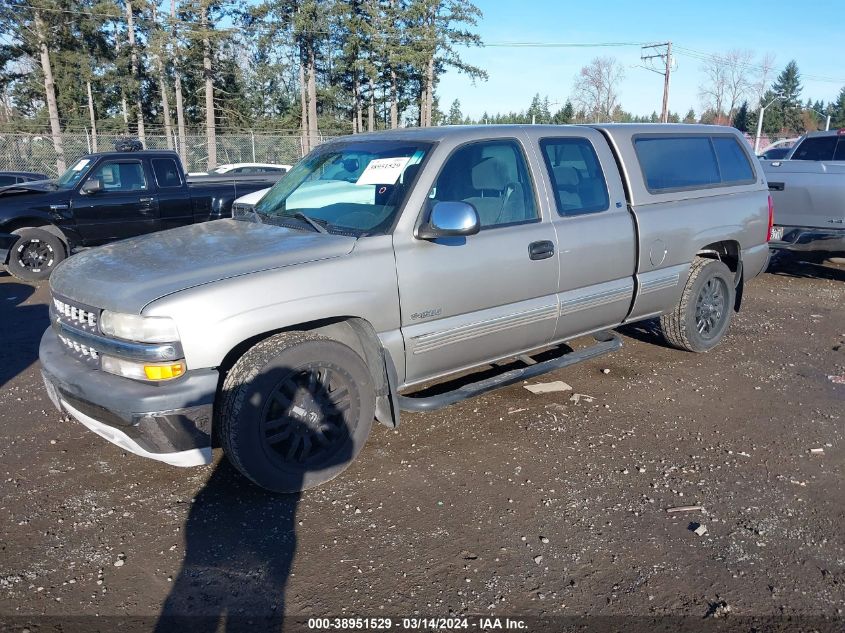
x=383 y=171
x=82 y=164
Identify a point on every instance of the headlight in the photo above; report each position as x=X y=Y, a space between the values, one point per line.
x=142 y=371
x=132 y=327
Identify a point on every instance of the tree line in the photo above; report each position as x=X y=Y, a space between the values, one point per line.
x=129 y=65
x=139 y=67
x=731 y=93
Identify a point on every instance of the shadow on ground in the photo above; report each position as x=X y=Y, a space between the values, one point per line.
x=805 y=267
x=240 y=540
x=21 y=327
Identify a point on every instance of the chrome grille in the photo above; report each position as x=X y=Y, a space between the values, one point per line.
x=76 y=315
x=82 y=350
x=80 y=317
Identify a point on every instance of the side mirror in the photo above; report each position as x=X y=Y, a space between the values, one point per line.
x=92 y=185
x=450 y=219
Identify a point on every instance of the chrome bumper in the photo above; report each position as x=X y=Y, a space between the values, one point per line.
x=807 y=239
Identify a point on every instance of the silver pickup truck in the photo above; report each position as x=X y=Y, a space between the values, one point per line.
x=387 y=262
x=808 y=190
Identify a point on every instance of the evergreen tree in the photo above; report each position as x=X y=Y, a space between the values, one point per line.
x=786 y=112
x=837 y=120
x=690 y=116
x=455 y=117
x=740 y=121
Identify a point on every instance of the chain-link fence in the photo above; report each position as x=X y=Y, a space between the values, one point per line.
x=35 y=152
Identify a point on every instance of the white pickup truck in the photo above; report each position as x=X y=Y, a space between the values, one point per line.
x=808 y=191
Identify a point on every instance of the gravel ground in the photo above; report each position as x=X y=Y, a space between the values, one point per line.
x=510 y=504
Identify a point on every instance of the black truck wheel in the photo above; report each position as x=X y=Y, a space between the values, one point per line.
x=703 y=314
x=296 y=410
x=35 y=254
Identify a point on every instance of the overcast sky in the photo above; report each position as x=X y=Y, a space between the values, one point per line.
x=810 y=33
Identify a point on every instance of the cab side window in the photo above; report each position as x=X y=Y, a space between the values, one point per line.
x=121 y=176
x=576 y=176
x=166 y=172
x=816 y=148
x=491 y=176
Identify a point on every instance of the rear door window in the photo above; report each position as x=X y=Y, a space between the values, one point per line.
x=576 y=175
x=816 y=148
x=166 y=172
x=677 y=162
x=734 y=167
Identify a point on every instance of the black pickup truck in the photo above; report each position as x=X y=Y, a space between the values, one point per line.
x=106 y=197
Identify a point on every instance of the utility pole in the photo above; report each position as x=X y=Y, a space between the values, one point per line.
x=666 y=56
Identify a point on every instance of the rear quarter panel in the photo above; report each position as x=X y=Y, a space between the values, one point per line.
x=675 y=225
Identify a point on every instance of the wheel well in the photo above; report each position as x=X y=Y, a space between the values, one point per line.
x=36 y=223
x=354 y=332
x=730 y=254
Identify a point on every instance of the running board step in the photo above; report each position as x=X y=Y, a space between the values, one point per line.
x=607 y=342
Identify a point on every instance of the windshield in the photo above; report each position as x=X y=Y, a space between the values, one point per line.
x=351 y=187
x=72 y=176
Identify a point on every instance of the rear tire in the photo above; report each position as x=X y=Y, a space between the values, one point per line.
x=35 y=254
x=297 y=409
x=701 y=318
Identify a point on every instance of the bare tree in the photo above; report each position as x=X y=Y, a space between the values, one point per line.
x=713 y=91
x=738 y=73
x=596 y=89
x=764 y=74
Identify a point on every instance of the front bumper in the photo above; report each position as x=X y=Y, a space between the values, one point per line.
x=169 y=422
x=810 y=239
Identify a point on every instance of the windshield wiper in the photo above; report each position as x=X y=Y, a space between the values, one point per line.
x=299 y=215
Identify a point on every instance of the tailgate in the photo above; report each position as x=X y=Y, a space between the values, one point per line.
x=807 y=193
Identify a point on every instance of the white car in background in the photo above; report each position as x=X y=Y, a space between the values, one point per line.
x=243 y=169
x=245 y=204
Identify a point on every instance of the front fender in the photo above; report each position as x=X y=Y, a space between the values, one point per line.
x=215 y=318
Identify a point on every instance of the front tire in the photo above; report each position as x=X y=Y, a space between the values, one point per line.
x=34 y=256
x=701 y=318
x=297 y=409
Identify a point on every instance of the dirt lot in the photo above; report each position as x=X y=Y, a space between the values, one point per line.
x=510 y=504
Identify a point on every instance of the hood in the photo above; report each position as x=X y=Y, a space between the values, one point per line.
x=127 y=275
x=31 y=187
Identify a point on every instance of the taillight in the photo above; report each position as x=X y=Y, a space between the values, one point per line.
x=771 y=219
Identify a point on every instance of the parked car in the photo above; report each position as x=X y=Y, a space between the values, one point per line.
x=286 y=332
x=14 y=177
x=244 y=169
x=246 y=204
x=808 y=190
x=106 y=197
x=775 y=153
